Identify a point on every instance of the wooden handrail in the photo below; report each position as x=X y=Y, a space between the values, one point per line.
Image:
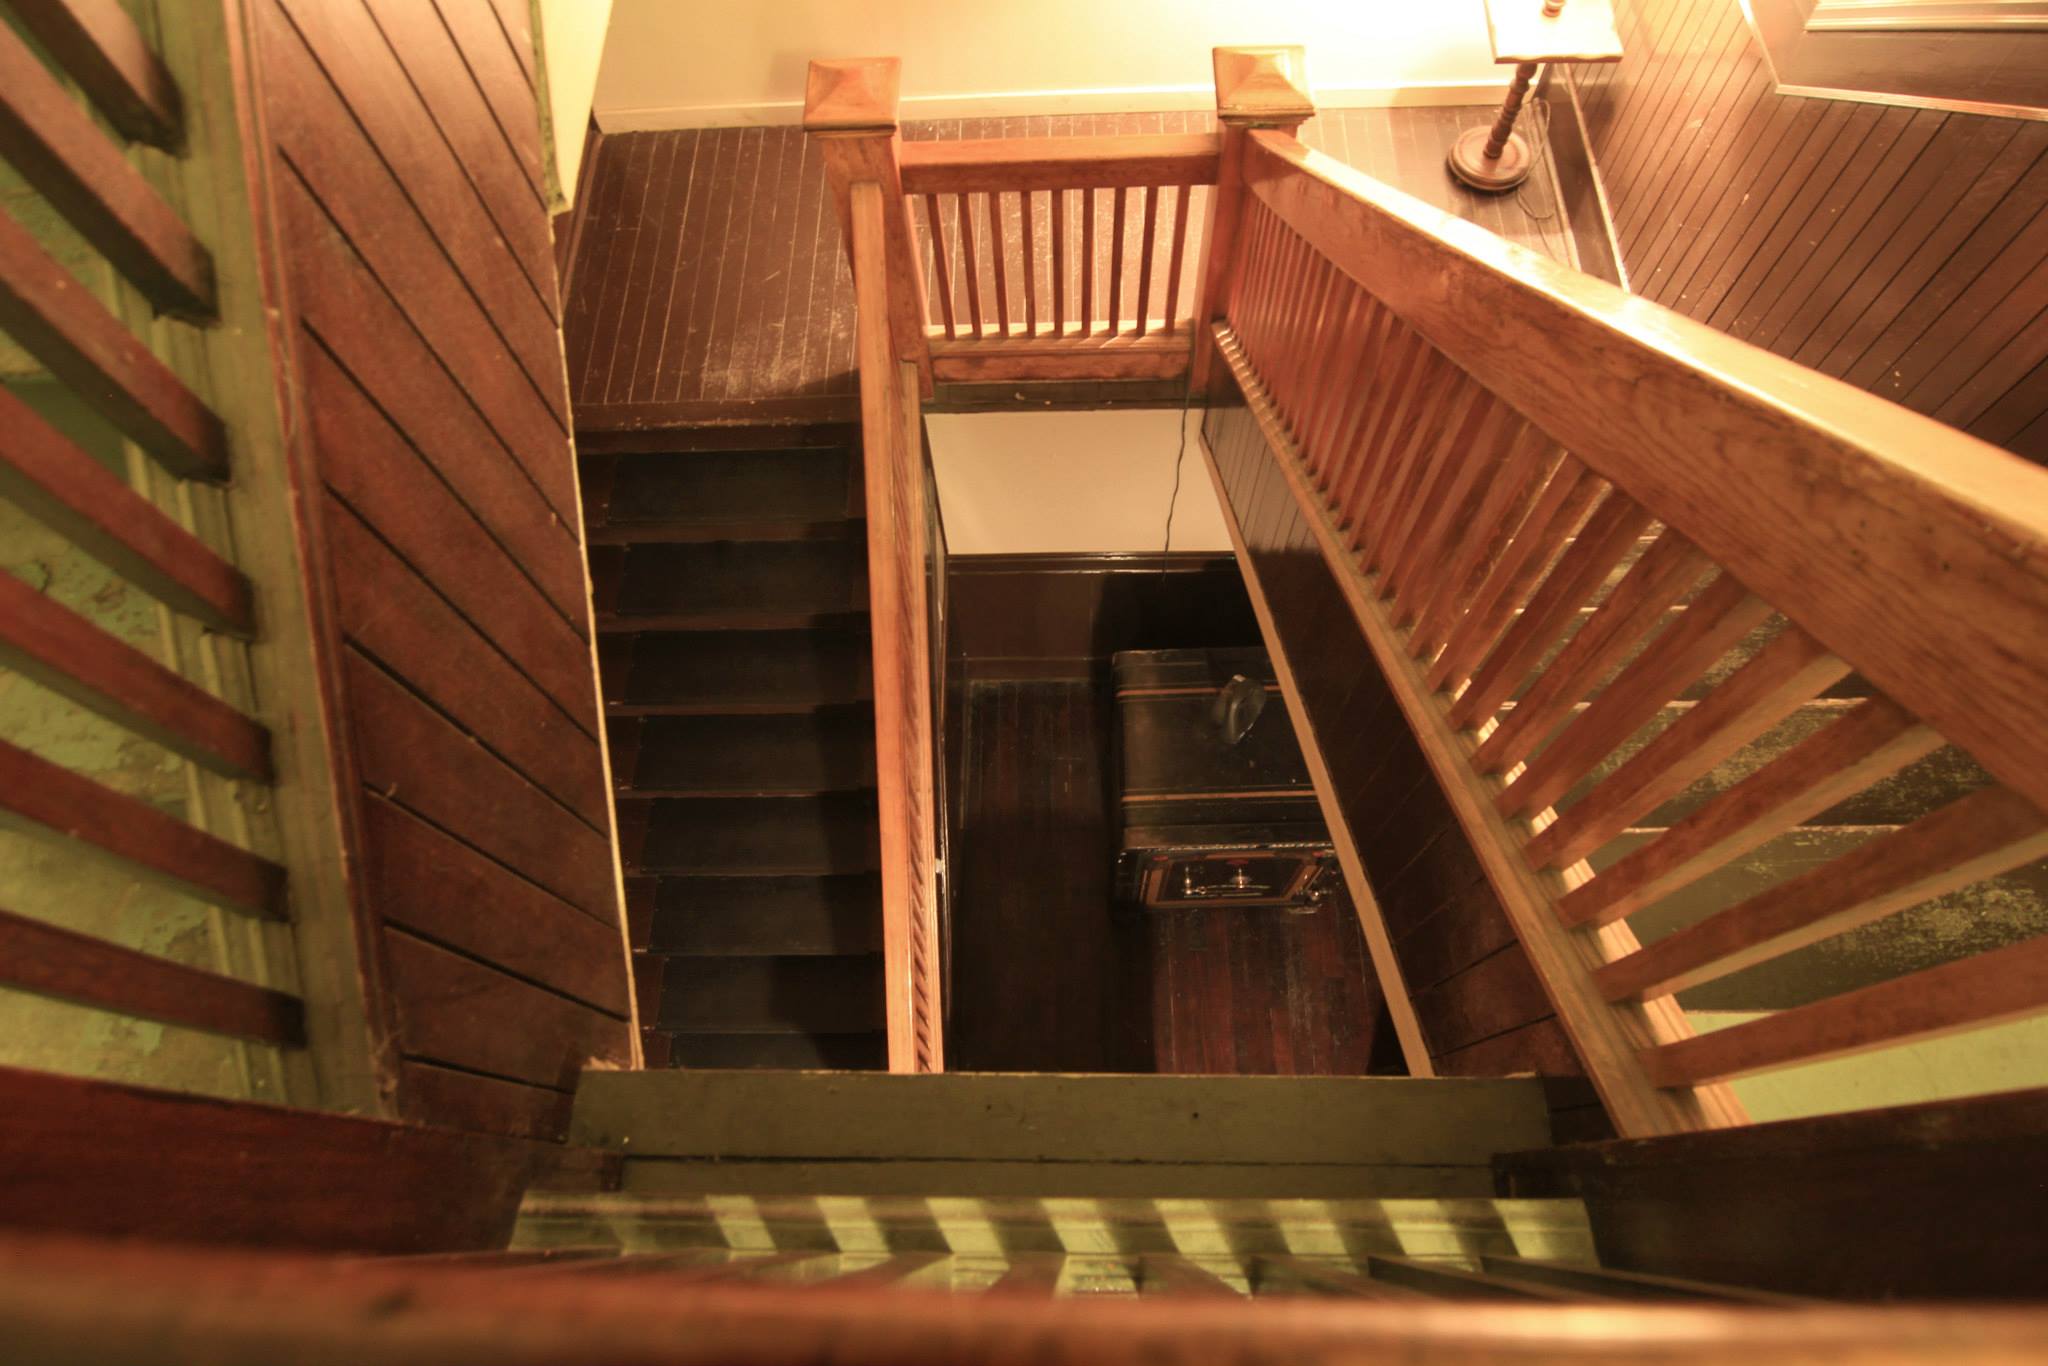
x=1914 y=551
x=851 y=107
x=1554 y=510
x=1060 y=163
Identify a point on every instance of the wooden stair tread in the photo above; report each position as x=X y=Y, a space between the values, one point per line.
x=767 y=915
x=742 y=579
x=798 y=484
x=718 y=671
x=758 y=836
x=825 y=750
x=780 y=994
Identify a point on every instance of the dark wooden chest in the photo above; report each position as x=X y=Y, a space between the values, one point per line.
x=1215 y=799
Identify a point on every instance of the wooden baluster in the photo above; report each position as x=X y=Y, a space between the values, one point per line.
x=999 y=251
x=1613 y=529
x=970 y=258
x=56 y=482
x=2005 y=984
x=1361 y=400
x=1566 y=499
x=1175 y=262
x=1116 y=264
x=941 y=262
x=1325 y=384
x=1088 y=265
x=1302 y=345
x=44 y=640
x=850 y=109
x=1989 y=832
x=1408 y=408
x=1465 y=457
x=1402 y=360
x=1872 y=742
x=1522 y=475
x=75 y=967
x=1787 y=673
x=1713 y=623
x=1419 y=425
x=1146 y=241
x=1059 y=263
x=1649 y=590
x=1030 y=264
x=1247 y=280
x=1256 y=87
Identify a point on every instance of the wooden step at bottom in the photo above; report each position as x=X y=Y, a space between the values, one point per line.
x=826 y=750
x=768 y=915
x=772 y=995
x=1117 y=1245
x=754 y=836
x=726 y=672
x=1321 y=1122
x=805 y=1052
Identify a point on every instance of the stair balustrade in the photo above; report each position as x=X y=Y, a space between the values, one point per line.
x=1599 y=551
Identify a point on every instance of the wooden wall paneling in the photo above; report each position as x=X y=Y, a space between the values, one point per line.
x=388 y=611
x=456 y=1010
x=97 y=1159
x=388 y=107
x=386 y=482
x=503 y=374
x=451 y=82
x=81 y=172
x=363 y=331
x=501 y=56
x=424 y=761
x=434 y=886
x=1788 y=1205
x=1899 y=248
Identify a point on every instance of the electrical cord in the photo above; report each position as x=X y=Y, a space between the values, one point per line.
x=1179 y=461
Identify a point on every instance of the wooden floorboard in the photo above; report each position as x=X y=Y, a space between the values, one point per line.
x=711 y=282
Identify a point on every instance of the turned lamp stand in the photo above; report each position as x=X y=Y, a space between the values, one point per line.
x=1529 y=34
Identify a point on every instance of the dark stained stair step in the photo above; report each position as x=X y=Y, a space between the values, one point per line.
x=750 y=836
x=766 y=577
x=801 y=485
x=726 y=672
x=827 y=750
x=772 y=995
x=768 y=915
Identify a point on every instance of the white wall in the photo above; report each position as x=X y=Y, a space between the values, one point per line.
x=572 y=42
x=1079 y=482
x=709 y=63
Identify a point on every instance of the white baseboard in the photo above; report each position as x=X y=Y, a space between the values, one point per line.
x=1016 y=104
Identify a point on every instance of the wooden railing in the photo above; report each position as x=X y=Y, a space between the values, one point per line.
x=1103 y=297
x=851 y=110
x=1558 y=513
x=89 y=303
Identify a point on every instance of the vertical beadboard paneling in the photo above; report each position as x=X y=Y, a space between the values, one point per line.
x=1904 y=250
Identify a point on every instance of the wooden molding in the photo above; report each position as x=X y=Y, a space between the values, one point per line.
x=1263 y=87
x=852 y=95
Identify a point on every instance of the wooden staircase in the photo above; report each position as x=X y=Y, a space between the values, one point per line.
x=731 y=591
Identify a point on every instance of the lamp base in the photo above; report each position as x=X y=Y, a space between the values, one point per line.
x=1468 y=161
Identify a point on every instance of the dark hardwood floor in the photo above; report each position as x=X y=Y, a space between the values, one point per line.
x=1049 y=976
x=709 y=282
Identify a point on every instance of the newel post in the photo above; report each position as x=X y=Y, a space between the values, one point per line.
x=1256 y=87
x=850 y=111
